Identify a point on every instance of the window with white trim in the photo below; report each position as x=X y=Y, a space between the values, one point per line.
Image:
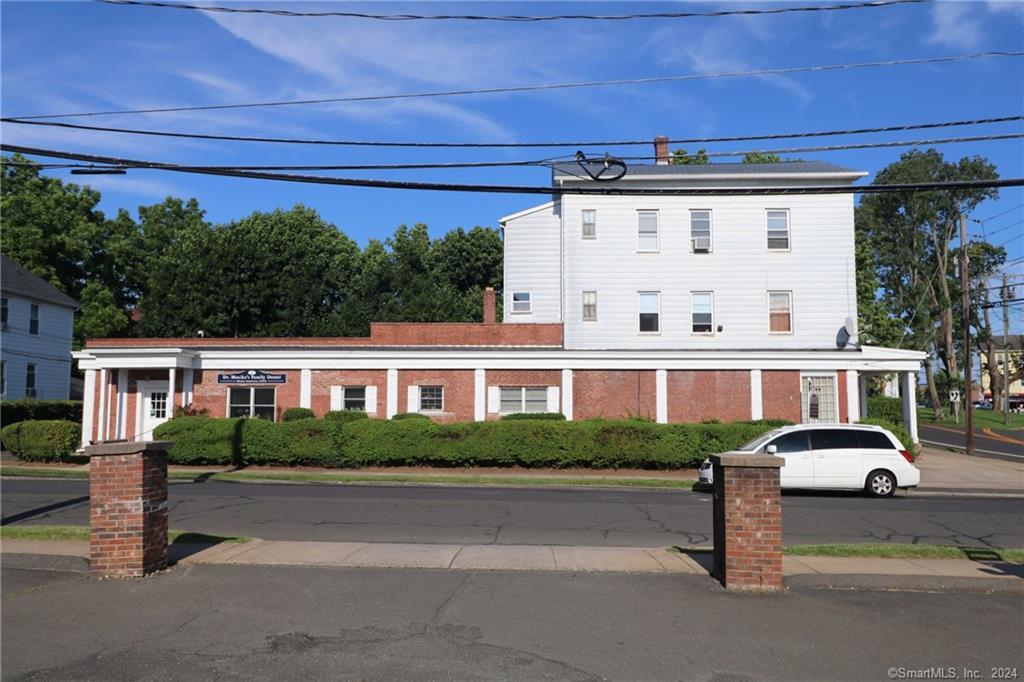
x=252 y=401
x=158 y=404
x=516 y=399
x=353 y=398
x=646 y=230
x=702 y=312
x=522 y=302
x=780 y=312
x=649 y=308
x=3 y=314
x=33 y=320
x=30 y=380
x=589 y=223
x=818 y=399
x=778 y=229
x=431 y=398
x=590 y=306
x=3 y=378
x=700 y=230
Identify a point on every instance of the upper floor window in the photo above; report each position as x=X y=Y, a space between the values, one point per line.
x=780 y=312
x=3 y=314
x=702 y=312
x=778 y=229
x=649 y=305
x=30 y=380
x=590 y=306
x=431 y=398
x=523 y=399
x=646 y=230
x=589 y=223
x=700 y=231
x=33 y=320
x=522 y=302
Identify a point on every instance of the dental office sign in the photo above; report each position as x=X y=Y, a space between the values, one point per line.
x=251 y=377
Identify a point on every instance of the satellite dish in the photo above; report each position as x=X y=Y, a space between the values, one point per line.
x=850 y=326
x=845 y=333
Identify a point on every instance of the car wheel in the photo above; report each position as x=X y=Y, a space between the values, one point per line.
x=881 y=484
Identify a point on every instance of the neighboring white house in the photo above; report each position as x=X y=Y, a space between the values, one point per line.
x=35 y=341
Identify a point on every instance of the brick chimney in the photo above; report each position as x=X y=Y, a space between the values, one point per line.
x=661 y=155
x=490 y=306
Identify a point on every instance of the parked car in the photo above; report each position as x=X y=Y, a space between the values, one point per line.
x=834 y=457
x=982 y=405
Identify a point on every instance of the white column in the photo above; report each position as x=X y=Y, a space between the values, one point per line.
x=306 y=388
x=187 y=377
x=122 y=403
x=661 y=396
x=392 y=409
x=172 y=380
x=479 y=395
x=862 y=385
x=910 y=404
x=852 y=396
x=756 y=395
x=567 y=393
x=88 y=405
x=101 y=432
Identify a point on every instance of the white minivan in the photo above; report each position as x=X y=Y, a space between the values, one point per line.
x=834 y=457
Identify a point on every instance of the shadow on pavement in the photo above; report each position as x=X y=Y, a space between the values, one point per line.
x=187 y=544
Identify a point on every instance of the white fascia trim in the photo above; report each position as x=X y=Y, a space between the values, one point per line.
x=135 y=358
x=846 y=175
x=525 y=212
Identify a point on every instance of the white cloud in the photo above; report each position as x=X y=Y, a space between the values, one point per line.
x=956 y=24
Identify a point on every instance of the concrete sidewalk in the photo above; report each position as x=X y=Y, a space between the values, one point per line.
x=953 y=471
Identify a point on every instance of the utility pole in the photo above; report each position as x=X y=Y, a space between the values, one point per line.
x=965 y=283
x=1005 y=295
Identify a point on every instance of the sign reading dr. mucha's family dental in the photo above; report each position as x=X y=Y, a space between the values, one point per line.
x=252 y=377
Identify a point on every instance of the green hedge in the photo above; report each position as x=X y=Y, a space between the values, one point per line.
x=887 y=409
x=345 y=416
x=409 y=415
x=48 y=440
x=14 y=411
x=296 y=413
x=554 y=416
x=420 y=442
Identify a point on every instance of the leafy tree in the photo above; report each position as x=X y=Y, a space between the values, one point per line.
x=681 y=158
x=100 y=316
x=762 y=157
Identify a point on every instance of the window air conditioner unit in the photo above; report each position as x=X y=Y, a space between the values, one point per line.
x=701 y=244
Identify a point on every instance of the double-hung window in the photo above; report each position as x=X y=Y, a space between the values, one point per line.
x=431 y=398
x=589 y=223
x=30 y=380
x=649 y=306
x=353 y=398
x=778 y=229
x=780 y=312
x=590 y=306
x=523 y=399
x=522 y=302
x=249 y=401
x=3 y=314
x=702 y=312
x=33 y=320
x=700 y=231
x=646 y=230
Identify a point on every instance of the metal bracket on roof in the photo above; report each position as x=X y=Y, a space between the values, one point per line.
x=606 y=169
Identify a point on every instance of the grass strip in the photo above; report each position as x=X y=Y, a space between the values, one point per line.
x=82 y=533
x=328 y=477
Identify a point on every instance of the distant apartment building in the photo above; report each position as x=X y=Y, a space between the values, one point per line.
x=36 y=324
x=1011 y=347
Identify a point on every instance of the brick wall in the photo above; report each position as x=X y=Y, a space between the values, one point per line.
x=208 y=395
x=747 y=527
x=780 y=393
x=323 y=380
x=459 y=392
x=614 y=394
x=694 y=396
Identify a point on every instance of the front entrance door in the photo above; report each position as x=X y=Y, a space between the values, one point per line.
x=155 y=408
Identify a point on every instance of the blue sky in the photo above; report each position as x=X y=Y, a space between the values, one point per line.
x=80 y=56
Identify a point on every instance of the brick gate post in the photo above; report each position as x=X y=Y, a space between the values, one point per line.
x=748 y=522
x=128 y=507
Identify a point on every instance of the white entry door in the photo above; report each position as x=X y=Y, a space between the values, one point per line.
x=155 y=408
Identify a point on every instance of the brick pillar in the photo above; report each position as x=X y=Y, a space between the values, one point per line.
x=748 y=522
x=128 y=507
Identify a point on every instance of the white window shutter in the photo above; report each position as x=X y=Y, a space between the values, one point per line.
x=494 y=399
x=371 y=400
x=553 y=405
x=413 y=401
x=336 y=397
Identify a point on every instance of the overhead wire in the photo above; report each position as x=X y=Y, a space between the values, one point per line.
x=544 y=86
x=519 y=18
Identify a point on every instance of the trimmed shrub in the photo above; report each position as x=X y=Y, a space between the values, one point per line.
x=888 y=409
x=202 y=440
x=409 y=415
x=296 y=413
x=294 y=443
x=46 y=440
x=554 y=416
x=14 y=411
x=898 y=431
x=774 y=423
x=345 y=416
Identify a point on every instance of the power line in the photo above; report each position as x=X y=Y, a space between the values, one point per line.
x=511 y=17
x=1005 y=227
x=605 y=189
x=991 y=217
x=468 y=145
x=545 y=87
x=568 y=160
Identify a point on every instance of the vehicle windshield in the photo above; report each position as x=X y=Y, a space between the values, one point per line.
x=758 y=442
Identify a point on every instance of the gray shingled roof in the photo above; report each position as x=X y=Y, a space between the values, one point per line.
x=15 y=279
x=573 y=169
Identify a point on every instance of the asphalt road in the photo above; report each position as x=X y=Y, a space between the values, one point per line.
x=530 y=516
x=249 y=622
x=1000 y=444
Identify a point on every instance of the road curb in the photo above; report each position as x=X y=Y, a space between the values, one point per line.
x=45 y=562
x=904 y=583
